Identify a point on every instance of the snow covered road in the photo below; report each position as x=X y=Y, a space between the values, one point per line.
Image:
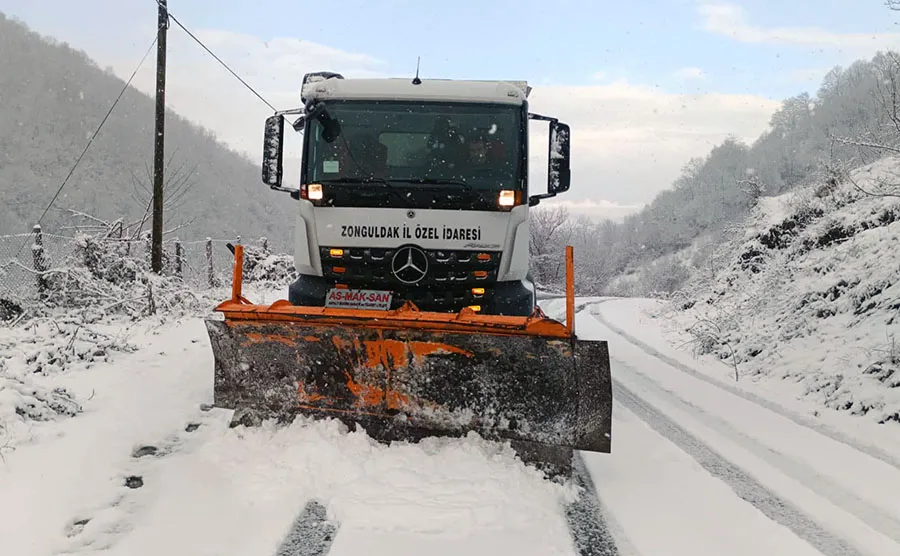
x=698 y=468
x=836 y=497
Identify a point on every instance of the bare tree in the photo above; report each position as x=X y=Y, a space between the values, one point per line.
x=549 y=232
x=545 y=224
x=178 y=182
x=882 y=139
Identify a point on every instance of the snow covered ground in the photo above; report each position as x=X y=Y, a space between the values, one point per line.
x=697 y=468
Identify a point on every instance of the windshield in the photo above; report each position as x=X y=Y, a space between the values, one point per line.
x=450 y=145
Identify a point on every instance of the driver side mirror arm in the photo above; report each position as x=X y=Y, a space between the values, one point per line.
x=534 y=200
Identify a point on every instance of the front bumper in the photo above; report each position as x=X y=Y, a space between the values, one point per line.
x=514 y=298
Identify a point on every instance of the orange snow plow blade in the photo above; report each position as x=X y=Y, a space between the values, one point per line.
x=407 y=374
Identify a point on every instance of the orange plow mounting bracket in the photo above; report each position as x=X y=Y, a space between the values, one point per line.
x=406 y=316
x=237 y=280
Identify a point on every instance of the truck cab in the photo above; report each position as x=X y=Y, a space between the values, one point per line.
x=414 y=190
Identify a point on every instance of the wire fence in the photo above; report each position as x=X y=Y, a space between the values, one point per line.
x=25 y=259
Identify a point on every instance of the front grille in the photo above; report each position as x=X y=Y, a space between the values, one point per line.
x=447 y=269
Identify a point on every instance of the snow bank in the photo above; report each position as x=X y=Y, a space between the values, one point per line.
x=809 y=293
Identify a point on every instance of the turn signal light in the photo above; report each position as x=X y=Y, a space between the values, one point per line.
x=507 y=198
x=484 y=257
x=480 y=274
x=339 y=270
x=314 y=191
x=477 y=291
x=336 y=252
x=475 y=308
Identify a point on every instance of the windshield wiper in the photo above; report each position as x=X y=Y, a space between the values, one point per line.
x=381 y=182
x=373 y=180
x=434 y=181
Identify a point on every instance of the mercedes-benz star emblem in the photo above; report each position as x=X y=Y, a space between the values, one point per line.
x=410 y=264
x=410 y=214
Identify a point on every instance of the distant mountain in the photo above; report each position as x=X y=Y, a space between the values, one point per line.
x=52 y=98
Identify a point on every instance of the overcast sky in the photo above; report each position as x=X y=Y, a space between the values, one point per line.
x=644 y=85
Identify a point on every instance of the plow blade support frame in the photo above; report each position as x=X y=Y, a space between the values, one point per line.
x=406 y=374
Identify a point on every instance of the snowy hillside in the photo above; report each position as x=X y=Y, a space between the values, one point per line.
x=808 y=293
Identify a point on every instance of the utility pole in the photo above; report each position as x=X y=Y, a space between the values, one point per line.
x=159 y=139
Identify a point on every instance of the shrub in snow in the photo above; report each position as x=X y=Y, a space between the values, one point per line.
x=9 y=310
x=103 y=275
x=44 y=346
x=665 y=276
x=23 y=402
x=261 y=266
x=35 y=403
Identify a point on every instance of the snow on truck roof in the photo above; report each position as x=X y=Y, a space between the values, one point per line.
x=503 y=92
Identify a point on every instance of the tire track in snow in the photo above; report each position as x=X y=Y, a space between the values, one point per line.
x=590 y=531
x=868 y=449
x=745 y=486
x=796 y=470
x=311 y=533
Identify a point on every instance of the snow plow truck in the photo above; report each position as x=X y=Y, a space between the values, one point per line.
x=413 y=313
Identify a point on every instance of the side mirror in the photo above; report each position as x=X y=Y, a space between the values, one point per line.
x=273 y=151
x=331 y=128
x=559 y=173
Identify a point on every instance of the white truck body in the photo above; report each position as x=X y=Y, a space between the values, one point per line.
x=357 y=231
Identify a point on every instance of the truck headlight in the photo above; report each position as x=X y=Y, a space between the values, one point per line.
x=314 y=191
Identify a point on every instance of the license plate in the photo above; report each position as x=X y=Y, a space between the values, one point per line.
x=358 y=299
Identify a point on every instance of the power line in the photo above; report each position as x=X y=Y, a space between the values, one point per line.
x=211 y=53
x=94 y=136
